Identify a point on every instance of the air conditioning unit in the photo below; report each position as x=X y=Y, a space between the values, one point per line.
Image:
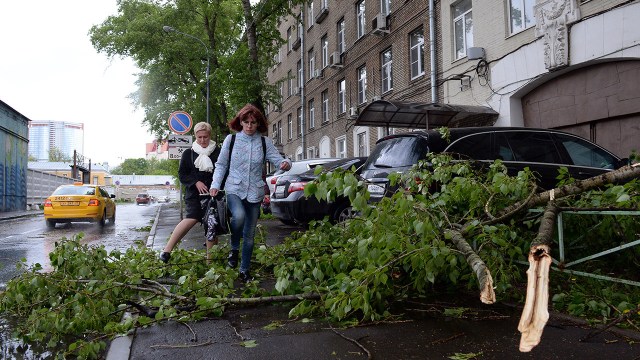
x=375 y=98
x=318 y=73
x=296 y=91
x=353 y=112
x=379 y=24
x=335 y=60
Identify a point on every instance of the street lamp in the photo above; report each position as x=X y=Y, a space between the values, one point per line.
x=169 y=29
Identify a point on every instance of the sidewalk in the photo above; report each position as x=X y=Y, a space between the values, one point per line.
x=7 y=215
x=424 y=335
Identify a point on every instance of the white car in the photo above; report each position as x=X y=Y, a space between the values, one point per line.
x=297 y=167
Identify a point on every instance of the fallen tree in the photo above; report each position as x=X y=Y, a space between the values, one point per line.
x=470 y=232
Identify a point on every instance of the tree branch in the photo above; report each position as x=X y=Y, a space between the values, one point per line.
x=487 y=295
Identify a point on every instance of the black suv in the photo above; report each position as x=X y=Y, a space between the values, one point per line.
x=543 y=151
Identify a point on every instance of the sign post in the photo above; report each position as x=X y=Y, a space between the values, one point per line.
x=180 y=123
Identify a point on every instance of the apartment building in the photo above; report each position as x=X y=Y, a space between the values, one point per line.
x=349 y=70
x=339 y=57
x=572 y=65
x=44 y=136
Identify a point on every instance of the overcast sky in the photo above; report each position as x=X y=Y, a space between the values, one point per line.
x=50 y=71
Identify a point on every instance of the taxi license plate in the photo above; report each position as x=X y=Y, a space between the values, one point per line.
x=69 y=203
x=375 y=189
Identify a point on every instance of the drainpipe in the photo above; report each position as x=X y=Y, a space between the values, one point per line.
x=302 y=81
x=432 y=51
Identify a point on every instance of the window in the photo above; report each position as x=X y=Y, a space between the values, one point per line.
x=311 y=152
x=290 y=126
x=362 y=85
x=95 y=181
x=312 y=63
x=279 y=131
x=300 y=75
x=274 y=133
x=361 y=144
x=312 y=114
x=387 y=75
x=340 y=35
x=325 y=51
x=310 y=19
x=289 y=83
x=280 y=89
x=583 y=153
x=385 y=6
x=462 y=28
x=521 y=15
x=300 y=123
x=341 y=147
x=289 y=42
x=360 y=19
x=416 y=53
x=325 y=106
x=342 y=106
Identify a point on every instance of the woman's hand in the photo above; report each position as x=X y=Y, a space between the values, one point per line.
x=202 y=188
x=285 y=165
x=213 y=192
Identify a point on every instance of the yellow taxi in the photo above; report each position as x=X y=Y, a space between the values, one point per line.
x=79 y=203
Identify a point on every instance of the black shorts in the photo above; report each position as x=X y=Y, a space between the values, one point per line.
x=194 y=208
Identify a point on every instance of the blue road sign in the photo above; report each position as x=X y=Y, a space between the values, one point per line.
x=180 y=122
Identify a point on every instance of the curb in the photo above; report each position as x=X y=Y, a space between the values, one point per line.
x=152 y=232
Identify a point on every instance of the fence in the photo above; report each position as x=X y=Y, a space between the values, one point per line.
x=40 y=185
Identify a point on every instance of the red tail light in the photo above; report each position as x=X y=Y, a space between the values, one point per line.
x=296 y=186
x=273 y=180
x=93 y=202
x=47 y=203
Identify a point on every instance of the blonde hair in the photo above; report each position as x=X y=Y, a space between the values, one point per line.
x=202 y=126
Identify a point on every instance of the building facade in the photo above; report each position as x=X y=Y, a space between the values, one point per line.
x=44 y=136
x=13 y=159
x=339 y=58
x=571 y=65
x=563 y=64
x=96 y=174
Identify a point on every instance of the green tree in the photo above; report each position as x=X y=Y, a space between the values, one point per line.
x=56 y=154
x=132 y=166
x=241 y=41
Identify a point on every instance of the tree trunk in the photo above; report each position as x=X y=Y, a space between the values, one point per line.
x=535 y=313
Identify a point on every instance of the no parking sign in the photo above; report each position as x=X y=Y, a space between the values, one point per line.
x=180 y=122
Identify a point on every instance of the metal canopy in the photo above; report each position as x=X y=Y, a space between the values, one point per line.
x=399 y=114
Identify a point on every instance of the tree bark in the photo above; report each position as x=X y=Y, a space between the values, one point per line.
x=622 y=175
x=487 y=295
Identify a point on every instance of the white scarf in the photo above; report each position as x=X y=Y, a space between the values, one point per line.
x=203 y=163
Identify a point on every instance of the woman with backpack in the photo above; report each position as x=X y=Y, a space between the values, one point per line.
x=239 y=171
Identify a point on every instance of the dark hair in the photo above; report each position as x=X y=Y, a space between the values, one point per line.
x=249 y=112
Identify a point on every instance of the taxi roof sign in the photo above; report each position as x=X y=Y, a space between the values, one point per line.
x=180 y=122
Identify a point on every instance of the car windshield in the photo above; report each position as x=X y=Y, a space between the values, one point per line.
x=75 y=190
x=398 y=152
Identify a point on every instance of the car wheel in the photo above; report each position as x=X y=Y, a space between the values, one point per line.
x=112 y=220
x=103 y=219
x=51 y=224
x=342 y=213
x=288 y=222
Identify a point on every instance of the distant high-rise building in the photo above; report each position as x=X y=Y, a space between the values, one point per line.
x=44 y=136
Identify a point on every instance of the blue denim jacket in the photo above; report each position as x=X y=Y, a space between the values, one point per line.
x=245 y=171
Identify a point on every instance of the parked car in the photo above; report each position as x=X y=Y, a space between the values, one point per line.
x=543 y=151
x=297 y=167
x=79 y=203
x=143 y=199
x=290 y=205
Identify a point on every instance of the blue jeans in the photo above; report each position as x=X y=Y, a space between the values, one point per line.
x=244 y=217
